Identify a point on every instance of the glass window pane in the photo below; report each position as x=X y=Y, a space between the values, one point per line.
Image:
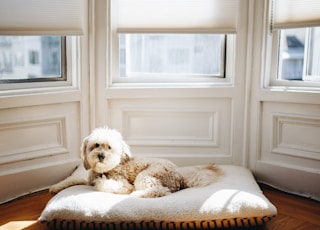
x=299 y=54
x=291 y=55
x=177 y=54
x=30 y=57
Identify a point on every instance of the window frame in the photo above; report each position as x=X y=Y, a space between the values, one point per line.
x=113 y=61
x=70 y=60
x=171 y=79
x=176 y=75
x=63 y=76
x=272 y=81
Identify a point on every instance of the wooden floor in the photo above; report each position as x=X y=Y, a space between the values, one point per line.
x=294 y=213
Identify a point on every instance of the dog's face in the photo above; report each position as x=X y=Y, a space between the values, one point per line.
x=103 y=150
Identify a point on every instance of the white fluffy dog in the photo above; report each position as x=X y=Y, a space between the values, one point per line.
x=113 y=169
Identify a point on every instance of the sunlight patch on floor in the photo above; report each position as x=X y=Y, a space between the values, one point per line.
x=14 y=225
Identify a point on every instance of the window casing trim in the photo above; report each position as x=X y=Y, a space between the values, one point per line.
x=271 y=79
x=71 y=69
x=63 y=76
x=149 y=80
x=113 y=75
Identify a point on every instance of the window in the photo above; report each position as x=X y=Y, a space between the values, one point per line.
x=33 y=46
x=299 y=57
x=32 y=58
x=175 y=55
x=295 y=44
x=172 y=41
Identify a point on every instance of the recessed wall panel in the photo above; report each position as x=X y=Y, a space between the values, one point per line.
x=175 y=128
x=296 y=136
x=172 y=128
x=43 y=133
x=32 y=138
x=290 y=135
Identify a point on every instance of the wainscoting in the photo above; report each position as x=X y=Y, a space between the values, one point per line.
x=39 y=146
x=179 y=129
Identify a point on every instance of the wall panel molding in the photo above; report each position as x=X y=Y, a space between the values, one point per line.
x=180 y=129
x=296 y=136
x=39 y=142
x=171 y=128
x=30 y=139
x=289 y=134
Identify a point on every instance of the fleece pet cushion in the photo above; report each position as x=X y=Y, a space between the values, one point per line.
x=235 y=200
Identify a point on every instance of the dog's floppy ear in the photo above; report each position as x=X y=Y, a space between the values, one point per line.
x=83 y=149
x=126 y=154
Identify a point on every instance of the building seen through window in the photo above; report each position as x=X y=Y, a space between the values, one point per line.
x=172 y=54
x=30 y=57
x=299 y=54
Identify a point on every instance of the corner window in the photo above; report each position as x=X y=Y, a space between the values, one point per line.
x=295 y=43
x=32 y=59
x=299 y=55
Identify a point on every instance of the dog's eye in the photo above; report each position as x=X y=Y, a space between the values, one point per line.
x=109 y=147
x=97 y=145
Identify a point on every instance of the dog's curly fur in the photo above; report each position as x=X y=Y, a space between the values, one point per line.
x=113 y=169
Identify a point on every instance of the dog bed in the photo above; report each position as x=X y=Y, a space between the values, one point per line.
x=235 y=200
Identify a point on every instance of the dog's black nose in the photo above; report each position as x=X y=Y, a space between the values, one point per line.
x=101 y=156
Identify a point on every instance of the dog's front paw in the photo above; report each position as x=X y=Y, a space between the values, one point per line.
x=151 y=192
x=138 y=193
x=100 y=184
x=112 y=186
x=68 y=182
x=56 y=188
